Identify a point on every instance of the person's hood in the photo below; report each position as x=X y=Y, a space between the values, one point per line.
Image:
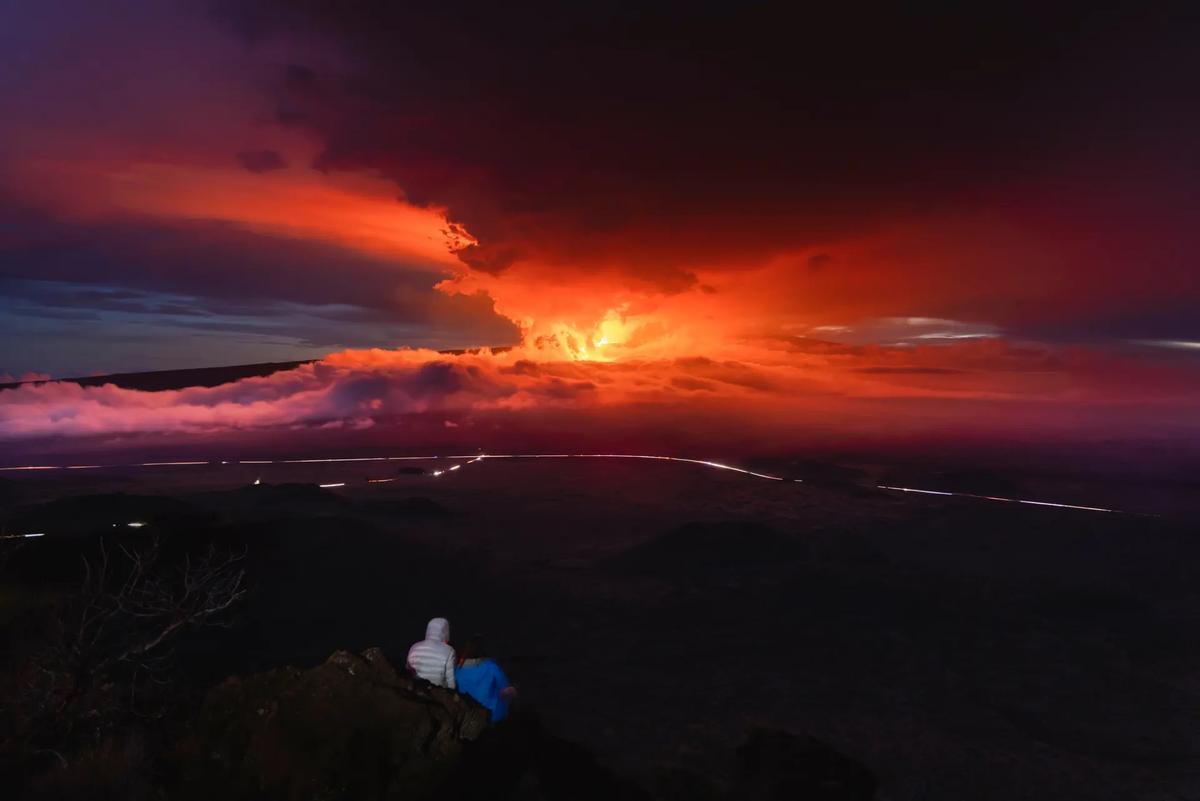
x=438 y=629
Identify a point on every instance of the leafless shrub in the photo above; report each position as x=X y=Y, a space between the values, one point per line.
x=113 y=640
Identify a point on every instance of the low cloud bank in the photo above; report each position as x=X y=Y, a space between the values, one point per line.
x=779 y=379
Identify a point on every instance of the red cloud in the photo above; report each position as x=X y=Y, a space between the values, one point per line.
x=991 y=385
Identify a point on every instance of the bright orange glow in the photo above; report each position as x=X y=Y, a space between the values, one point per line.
x=778 y=334
x=358 y=212
x=672 y=284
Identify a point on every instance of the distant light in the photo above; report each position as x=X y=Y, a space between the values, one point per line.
x=169 y=464
x=23 y=536
x=331 y=486
x=255 y=461
x=257 y=481
x=379 y=480
x=135 y=524
x=437 y=472
x=457 y=466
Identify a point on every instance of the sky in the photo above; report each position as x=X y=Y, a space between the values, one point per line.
x=867 y=218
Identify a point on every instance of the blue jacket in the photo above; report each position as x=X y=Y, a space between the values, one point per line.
x=482 y=679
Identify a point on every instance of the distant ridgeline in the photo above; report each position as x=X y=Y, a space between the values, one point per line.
x=161 y=380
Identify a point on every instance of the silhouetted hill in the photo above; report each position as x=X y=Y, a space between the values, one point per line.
x=701 y=549
x=160 y=380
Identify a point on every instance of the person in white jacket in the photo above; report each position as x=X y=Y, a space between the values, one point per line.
x=432 y=658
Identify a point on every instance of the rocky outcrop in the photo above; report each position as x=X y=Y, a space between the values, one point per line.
x=352 y=728
x=356 y=729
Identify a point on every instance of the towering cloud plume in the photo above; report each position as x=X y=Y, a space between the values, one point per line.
x=793 y=215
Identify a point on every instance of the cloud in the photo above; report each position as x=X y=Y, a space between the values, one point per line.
x=819 y=261
x=260 y=161
x=357 y=388
x=173 y=280
x=673 y=211
x=676 y=153
x=680 y=152
x=1175 y=344
x=394 y=389
x=907 y=370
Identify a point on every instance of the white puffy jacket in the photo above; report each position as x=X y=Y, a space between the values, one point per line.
x=432 y=658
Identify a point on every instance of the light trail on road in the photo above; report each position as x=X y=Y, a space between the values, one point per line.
x=476 y=458
x=769 y=477
x=705 y=463
x=471 y=459
x=1003 y=500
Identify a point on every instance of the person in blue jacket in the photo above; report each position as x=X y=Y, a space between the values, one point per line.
x=482 y=679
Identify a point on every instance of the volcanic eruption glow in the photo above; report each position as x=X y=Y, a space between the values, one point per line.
x=474 y=267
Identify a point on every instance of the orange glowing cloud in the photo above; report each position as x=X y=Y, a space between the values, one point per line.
x=678 y=271
x=776 y=401
x=352 y=211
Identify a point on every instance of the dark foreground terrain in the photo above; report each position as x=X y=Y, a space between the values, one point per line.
x=651 y=614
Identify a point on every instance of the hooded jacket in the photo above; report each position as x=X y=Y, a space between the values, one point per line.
x=432 y=658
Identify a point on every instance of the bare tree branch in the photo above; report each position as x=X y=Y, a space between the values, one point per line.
x=124 y=618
